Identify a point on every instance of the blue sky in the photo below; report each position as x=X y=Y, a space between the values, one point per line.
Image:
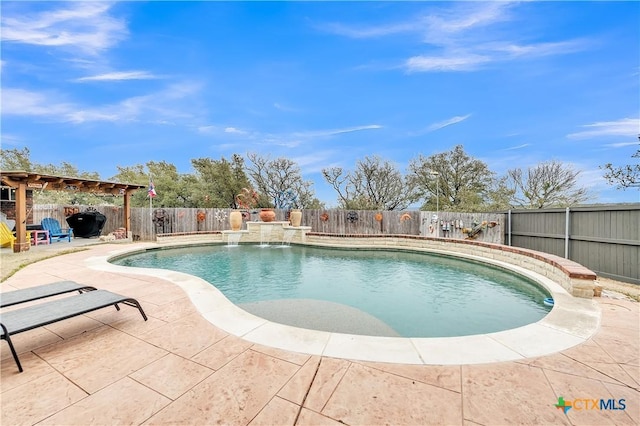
x=323 y=83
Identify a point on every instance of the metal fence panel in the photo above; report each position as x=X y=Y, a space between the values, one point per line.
x=605 y=239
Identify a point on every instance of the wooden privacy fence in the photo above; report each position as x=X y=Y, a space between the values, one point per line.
x=114 y=214
x=605 y=239
x=147 y=223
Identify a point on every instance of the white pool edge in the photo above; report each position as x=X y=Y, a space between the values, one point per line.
x=571 y=322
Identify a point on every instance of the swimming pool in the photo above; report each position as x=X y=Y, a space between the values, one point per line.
x=411 y=294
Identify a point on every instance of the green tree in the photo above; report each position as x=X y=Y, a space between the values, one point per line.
x=15 y=159
x=280 y=181
x=136 y=175
x=499 y=195
x=67 y=170
x=218 y=182
x=548 y=184
x=452 y=180
x=171 y=187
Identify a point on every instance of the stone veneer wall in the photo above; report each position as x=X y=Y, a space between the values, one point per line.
x=190 y=237
x=573 y=277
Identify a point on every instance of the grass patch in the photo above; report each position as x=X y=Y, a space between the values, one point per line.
x=34 y=259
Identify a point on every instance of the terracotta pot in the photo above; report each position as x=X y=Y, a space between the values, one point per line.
x=295 y=217
x=235 y=220
x=267 y=215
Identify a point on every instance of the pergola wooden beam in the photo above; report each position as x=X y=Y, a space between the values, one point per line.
x=21 y=180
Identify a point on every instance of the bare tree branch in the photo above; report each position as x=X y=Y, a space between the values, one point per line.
x=549 y=184
x=623 y=177
x=374 y=185
x=281 y=181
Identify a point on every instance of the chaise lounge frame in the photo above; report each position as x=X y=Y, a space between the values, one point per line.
x=16 y=297
x=29 y=318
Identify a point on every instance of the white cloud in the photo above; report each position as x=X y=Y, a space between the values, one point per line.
x=206 y=129
x=621 y=144
x=514 y=50
x=287 y=140
x=26 y=103
x=163 y=105
x=83 y=116
x=437 y=26
x=453 y=120
x=119 y=76
x=622 y=127
x=284 y=108
x=234 y=130
x=464 y=17
x=298 y=138
x=314 y=163
x=474 y=57
x=460 y=39
x=320 y=133
x=445 y=63
x=86 y=26
x=372 y=31
x=524 y=145
x=355 y=129
x=10 y=139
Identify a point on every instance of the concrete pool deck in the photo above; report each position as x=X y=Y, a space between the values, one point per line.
x=111 y=367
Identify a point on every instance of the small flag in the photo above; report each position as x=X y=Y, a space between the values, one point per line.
x=152 y=190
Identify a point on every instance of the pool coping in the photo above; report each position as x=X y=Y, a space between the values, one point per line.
x=572 y=321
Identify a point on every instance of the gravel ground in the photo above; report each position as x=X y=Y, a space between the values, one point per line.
x=616 y=289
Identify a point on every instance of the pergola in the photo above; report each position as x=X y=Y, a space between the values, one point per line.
x=22 y=180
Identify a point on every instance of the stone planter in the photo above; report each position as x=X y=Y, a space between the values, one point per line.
x=235 y=220
x=267 y=215
x=295 y=217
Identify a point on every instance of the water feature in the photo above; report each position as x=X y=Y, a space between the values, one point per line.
x=288 y=236
x=265 y=234
x=233 y=238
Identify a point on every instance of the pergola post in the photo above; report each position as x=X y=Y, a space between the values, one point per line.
x=127 y=210
x=21 y=244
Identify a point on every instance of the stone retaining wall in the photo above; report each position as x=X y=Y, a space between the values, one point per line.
x=190 y=237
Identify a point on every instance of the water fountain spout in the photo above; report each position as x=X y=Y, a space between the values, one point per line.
x=288 y=236
x=233 y=238
x=265 y=234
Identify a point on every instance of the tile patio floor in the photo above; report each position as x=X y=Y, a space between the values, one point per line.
x=112 y=367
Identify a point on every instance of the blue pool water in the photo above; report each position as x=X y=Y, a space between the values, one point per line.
x=416 y=294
